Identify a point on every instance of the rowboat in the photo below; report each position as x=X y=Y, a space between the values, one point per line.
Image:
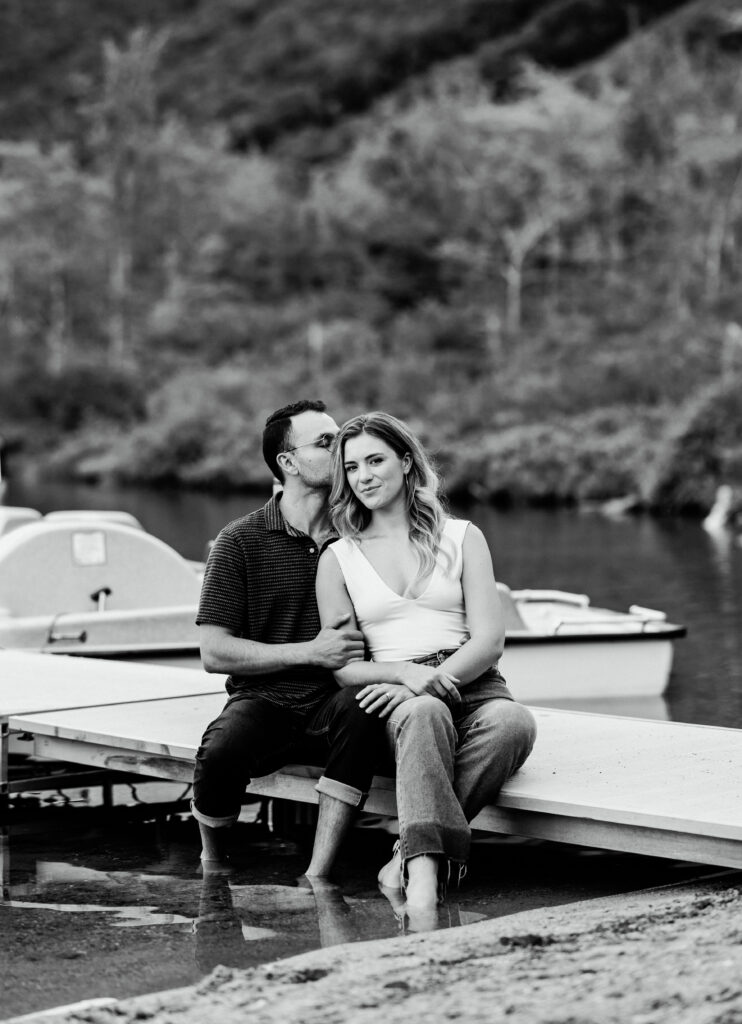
x=559 y=647
x=97 y=584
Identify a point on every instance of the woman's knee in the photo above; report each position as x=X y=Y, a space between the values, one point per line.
x=512 y=722
x=424 y=706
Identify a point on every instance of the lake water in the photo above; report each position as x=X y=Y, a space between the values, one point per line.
x=673 y=565
x=110 y=903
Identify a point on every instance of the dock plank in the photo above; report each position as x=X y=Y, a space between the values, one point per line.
x=31 y=682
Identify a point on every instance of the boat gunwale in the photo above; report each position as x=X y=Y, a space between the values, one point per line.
x=661 y=632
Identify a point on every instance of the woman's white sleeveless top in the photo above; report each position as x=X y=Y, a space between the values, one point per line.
x=402 y=628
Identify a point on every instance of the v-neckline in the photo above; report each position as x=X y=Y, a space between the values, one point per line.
x=380 y=578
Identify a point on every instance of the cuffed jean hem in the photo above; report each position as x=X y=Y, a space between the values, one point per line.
x=431 y=838
x=341 y=791
x=206 y=819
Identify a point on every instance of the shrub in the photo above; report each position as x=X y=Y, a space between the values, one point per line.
x=66 y=401
x=699 y=452
x=592 y=457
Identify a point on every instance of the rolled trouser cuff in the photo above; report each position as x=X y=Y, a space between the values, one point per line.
x=206 y=819
x=341 y=791
x=436 y=840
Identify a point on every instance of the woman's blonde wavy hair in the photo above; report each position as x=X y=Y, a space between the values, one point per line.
x=424 y=505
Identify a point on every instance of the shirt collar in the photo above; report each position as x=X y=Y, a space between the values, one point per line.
x=276 y=523
x=274 y=518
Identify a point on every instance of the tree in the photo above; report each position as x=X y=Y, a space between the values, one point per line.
x=127 y=124
x=52 y=218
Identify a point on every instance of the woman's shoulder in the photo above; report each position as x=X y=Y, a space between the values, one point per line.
x=455 y=528
x=342 y=549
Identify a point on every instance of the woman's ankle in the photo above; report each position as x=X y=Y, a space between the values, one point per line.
x=422 y=880
x=390 y=876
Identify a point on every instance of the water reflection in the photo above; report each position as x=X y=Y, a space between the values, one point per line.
x=106 y=889
x=122 y=917
x=222 y=931
x=231 y=917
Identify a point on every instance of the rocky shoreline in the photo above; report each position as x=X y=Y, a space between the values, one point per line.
x=668 y=954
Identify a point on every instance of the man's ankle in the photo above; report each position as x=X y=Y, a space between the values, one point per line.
x=214 y=844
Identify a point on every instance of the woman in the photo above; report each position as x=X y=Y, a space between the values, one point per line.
x=420 y=587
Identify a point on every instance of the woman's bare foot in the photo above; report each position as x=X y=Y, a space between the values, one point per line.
x=414 y=919
x=390 y=875
x=422 y=881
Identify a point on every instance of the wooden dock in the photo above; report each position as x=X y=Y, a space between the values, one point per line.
x=627 y=784
x=32 y=683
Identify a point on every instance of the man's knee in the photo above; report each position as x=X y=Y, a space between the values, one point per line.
x=345 y=700
x=348 y=713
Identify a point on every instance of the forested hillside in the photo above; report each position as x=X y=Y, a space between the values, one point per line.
x=496 y=219
x=265 y=70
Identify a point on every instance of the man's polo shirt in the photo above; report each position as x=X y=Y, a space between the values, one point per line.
x=259 y=584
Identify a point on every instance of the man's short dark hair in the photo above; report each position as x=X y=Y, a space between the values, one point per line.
x=277 y=432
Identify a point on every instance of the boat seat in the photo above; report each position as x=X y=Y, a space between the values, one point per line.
x=55 y=567
x=13 y=516
x=93 y=516
x=511 y=614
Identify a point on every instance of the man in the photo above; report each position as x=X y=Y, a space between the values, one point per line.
x=259 y=622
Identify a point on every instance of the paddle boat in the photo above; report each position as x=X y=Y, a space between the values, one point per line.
x=97 y=584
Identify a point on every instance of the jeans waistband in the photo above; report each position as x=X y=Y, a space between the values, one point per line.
x=492 y=674
x=436 y=658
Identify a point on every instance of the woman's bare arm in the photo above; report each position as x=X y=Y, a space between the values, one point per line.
x=483 y=612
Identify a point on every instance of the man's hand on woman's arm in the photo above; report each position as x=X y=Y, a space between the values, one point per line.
x=337 y=644
x=334 y=646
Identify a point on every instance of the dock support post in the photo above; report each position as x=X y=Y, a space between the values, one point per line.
x=107 y=794
x=4 y=782
x=5 y=862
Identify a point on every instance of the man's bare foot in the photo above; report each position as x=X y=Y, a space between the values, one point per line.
x=390 y=875
x=317 y=883
x=215 y=866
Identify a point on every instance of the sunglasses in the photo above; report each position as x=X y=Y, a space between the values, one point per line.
x=326 y=441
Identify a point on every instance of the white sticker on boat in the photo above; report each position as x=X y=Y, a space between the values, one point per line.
x=89 y=547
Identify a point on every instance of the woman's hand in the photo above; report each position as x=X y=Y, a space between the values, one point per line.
x=415 y=680
x=431 y=679
x=383 y=698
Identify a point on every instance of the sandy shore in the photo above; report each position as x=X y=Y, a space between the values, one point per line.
x=668 y=954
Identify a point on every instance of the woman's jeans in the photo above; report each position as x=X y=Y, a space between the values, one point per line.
x=252 y=737
x=452 y=761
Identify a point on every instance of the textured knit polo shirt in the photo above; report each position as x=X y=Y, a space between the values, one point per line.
x=259 y=584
